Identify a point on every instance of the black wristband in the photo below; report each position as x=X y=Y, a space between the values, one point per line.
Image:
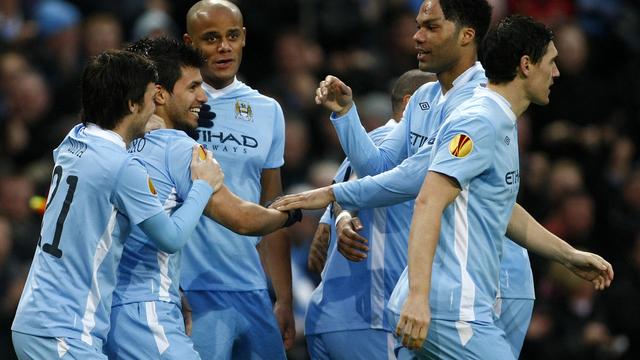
x=295 y=216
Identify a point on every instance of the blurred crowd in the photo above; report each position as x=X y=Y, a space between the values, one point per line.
x=580 y=174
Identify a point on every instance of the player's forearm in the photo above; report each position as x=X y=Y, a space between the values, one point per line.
x=524 y=230
x=243 y=217
x=169 y=234
x=437 y=192
x=392 y=187
x=423 y=240
x=277 y=256
x=365 y=157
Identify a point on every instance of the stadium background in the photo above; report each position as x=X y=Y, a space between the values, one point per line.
x=579 y=158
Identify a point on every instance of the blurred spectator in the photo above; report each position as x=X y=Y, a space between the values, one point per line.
x=15 y=28
x=101 y=32
x=296 y=152
x=15 y=193
x=58 y=52
x=548 y=11
x=154 y=23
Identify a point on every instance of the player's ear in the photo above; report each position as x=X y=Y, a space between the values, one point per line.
x=187 y=39
x=405 y=100
x=244 y=36
x=467 y=36
x=133 y=107
x=525 y=65
x=161 y=95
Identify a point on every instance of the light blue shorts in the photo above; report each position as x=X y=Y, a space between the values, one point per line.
x=513 y=317
x=31 y=347
x=370 y=344
x=235 y=325
x=460 y=340
x=148 y=330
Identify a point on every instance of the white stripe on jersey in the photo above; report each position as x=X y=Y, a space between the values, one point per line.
x=63 y=347
x=391 y=345
x=156 y=329
x=461 y=224
x=162 y=257
x=378 y=239
x=165 y=280
x=93 y=298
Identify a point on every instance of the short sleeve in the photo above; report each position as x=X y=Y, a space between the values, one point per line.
x=275 y=158
x=465 y=147
x=135 y=195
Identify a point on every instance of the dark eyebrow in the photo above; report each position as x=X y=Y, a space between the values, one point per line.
x=209 y=34
x=429 y=21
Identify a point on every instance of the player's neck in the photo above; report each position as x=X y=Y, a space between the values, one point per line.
x=163 y=116
x=447 y=77
x=514 y=93
x=217 y=83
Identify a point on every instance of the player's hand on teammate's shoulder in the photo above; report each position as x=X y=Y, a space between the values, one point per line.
x=335 y=95
x=319 y=248
x=351 y=244
x=205 y=167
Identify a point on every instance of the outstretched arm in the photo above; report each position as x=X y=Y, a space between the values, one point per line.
x=527 y=232
x=243 y=217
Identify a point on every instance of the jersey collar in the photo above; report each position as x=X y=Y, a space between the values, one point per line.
x=462 y=79
x=114 y=137
x=500 y=100
x=214 y=93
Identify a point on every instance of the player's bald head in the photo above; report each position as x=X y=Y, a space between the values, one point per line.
x=201 y=8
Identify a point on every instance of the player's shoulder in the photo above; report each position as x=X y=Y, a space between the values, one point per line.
x=244 y=91
x=428 y=90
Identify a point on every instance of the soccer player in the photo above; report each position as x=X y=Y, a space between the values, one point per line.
x=447 y=39
x=146 y=321
x=346 y=315
x=467 y=203
x=222 y=275
x=98 y=191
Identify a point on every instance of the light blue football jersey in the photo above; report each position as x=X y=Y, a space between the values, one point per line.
x=411 y=143
x=477 y=146
x=353 y=295
x=423 y=115
x=247 y=137
x=97 y=191
x=145 y=272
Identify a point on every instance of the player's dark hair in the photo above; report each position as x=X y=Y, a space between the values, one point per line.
x=170 y=56
x=475 y=14
x=109 y=81
x=514 y=37
x=407 y=84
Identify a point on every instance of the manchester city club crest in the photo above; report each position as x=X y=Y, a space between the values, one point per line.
x=243 y=111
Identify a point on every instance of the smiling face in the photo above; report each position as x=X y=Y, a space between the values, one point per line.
x=183 y=104
x=218 y=32
x=436 y=39
x=541 y=77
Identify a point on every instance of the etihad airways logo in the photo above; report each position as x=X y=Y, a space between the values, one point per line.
x=227 y=142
